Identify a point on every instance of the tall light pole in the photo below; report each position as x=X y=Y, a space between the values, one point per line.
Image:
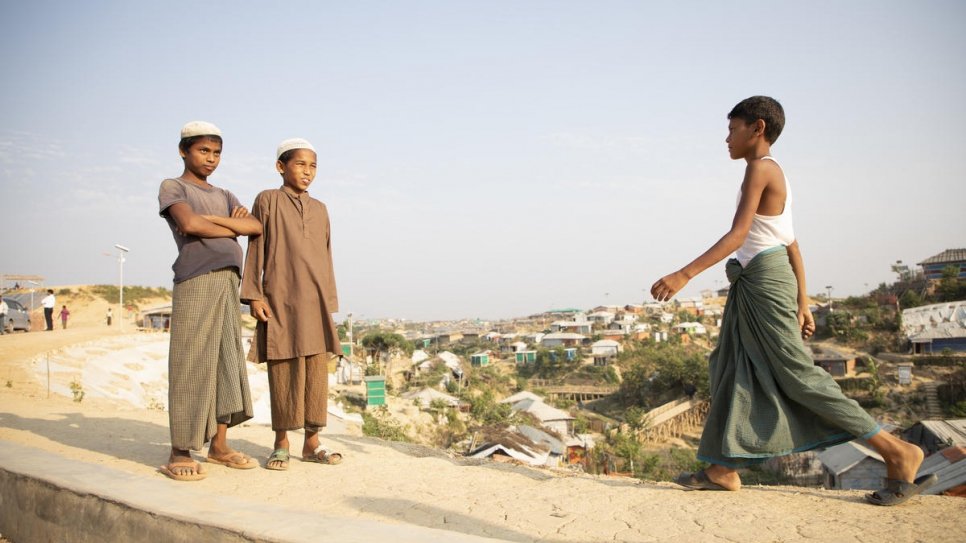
x=120 y=283
x=35 y=284
x=829 y=289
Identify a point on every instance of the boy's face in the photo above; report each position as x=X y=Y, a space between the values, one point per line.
x=202 y=157
x=299 y=171
x=740 y=138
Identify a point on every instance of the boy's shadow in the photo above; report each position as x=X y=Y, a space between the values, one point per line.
x=142 y=442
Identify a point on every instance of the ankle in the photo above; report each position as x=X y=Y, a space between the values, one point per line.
x=180 y=453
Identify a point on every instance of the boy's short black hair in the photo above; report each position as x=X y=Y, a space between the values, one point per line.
x=186 y=143
x=765 y=108
x=286 y=156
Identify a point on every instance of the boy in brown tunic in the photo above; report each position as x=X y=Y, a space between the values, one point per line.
x=290 y=285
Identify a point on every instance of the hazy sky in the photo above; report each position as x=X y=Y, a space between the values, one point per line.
x=486 y=159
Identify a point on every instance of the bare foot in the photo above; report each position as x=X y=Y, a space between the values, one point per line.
x=278 y=460
x=182 y=467
x=232 y=459
x=311 y=443
x=902 y=458
x=726 y=477
x=904 y=464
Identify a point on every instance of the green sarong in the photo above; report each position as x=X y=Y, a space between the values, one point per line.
x=768 y=398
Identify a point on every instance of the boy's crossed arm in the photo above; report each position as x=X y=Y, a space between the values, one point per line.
x=241 y=223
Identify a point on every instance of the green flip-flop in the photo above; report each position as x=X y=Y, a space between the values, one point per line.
x=278 y=455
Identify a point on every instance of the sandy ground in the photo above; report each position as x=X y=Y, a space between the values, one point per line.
x=120 y=423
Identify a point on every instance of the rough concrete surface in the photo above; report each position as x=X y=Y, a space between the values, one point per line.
x=88 y=472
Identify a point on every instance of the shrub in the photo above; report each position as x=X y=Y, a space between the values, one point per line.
x=379 y=423
x=77 y=389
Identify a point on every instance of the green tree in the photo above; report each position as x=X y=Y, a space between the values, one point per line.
x=486 y=410
x=839 y=324
x=636 y=386
x=950 y=288
x=909 y=299
x=653 y=373
x=636 y=418
x=874 y=387
x=381 y=343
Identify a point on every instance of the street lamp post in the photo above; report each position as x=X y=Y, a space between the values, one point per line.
x=829 y=289
x=35 y=284
x=120 y=283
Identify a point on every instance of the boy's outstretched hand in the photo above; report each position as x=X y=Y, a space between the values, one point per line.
x=260 y=310
x=666 y=287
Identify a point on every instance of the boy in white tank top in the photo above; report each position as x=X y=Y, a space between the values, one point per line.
x=767 y=396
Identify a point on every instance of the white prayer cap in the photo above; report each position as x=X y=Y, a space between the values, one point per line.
x=291 y=144
x=199 y=128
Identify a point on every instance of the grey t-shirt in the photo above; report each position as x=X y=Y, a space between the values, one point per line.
x=198 y=256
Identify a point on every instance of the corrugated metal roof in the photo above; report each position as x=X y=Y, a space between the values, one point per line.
x=535 y=458
x=841 y=458
x=564 y=335
x=542 y=411
x=520 y=396
x=945 y=320
x=952 y=431
x=538 y=436
x=427 y=395
x=949 y=465
x=949 y=255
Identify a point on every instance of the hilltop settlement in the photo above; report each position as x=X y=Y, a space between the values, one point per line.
x=622 y=390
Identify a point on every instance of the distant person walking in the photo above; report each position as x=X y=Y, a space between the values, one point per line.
x=290 y=285
x=3 y=316
x=768 y=398
x=110 y=316
x=207 y=377
x=49 y=302
x=64 y=314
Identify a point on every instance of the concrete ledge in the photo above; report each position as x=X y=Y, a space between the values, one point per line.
x=46 y=497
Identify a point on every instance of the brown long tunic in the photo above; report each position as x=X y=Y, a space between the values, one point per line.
x=289 y=267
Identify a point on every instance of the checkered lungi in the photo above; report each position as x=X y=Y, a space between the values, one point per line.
x=207 y=375
x=299 y=390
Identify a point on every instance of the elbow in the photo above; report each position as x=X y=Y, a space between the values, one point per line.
x=735 y=239
x=254 y=228
x=191 y=227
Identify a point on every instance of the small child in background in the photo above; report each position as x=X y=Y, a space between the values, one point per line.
x=64 y=314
